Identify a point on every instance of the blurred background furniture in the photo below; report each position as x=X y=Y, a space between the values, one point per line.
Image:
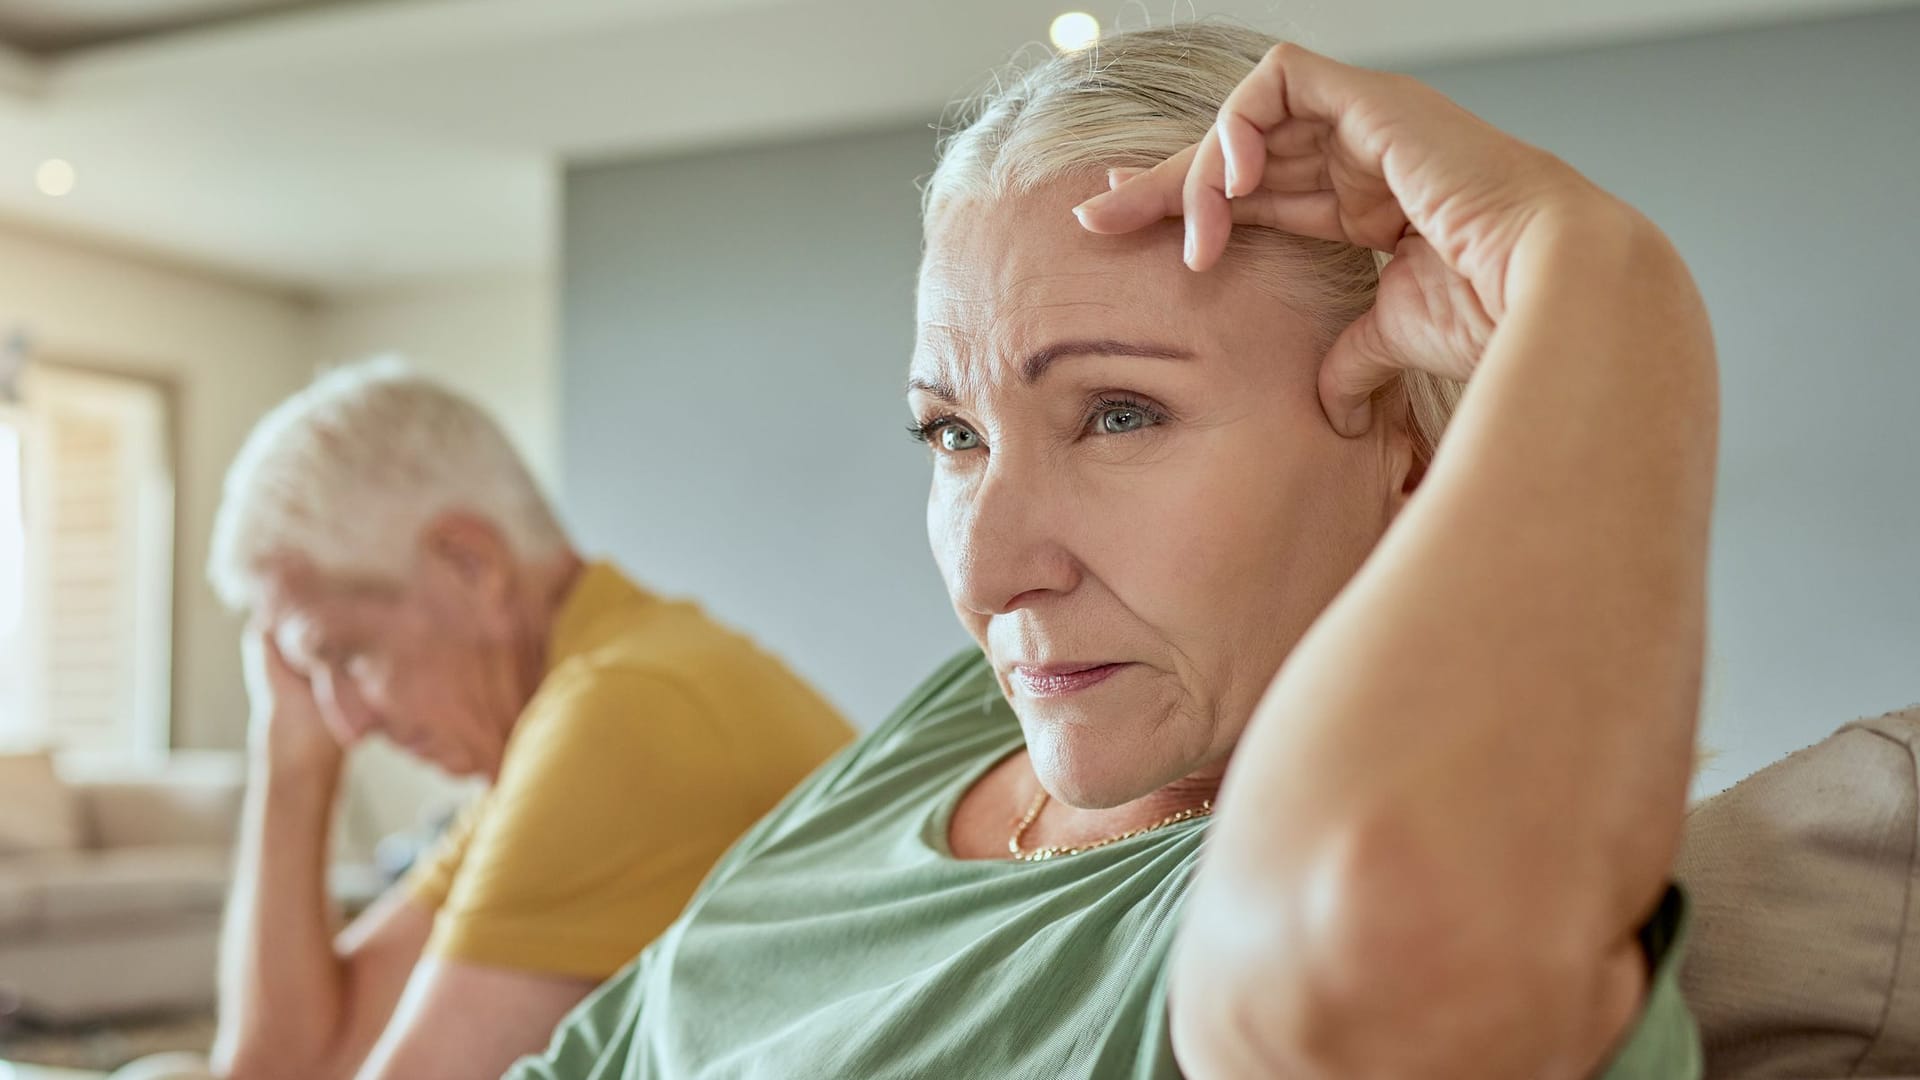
x=112 y=884
x=1804 y=961
x=127 y=918
x=11 y=1071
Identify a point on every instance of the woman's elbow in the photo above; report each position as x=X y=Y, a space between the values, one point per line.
x=1379 y=961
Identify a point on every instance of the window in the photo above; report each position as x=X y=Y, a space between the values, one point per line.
x=13 y=573
x=86 y=467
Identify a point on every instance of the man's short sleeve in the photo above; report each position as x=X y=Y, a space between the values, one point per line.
x=617 y=796
x=596 y=1038
x=431 y=879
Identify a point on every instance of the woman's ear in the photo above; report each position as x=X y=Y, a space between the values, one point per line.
x=1406 y=454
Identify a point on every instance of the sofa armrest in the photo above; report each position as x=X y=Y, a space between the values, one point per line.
x=190 y=799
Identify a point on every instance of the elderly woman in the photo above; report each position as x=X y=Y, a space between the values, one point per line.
x=1300 y=741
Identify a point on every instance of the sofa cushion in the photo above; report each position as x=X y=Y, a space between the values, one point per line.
x=37 y=810
x=19 y=900
x=187 y=801
x=1805 y=954
x=74 y=891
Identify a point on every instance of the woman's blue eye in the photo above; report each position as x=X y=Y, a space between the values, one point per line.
x=954 y=437
x=1124 y=418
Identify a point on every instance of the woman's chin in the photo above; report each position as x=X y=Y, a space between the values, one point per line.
x=1091 y=777
x=1107 y=748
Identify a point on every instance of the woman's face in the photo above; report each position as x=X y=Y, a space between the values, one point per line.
x=1137 y=503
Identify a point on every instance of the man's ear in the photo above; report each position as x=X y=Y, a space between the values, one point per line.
x=473 y=551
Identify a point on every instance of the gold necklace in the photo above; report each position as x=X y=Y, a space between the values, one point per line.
x=1042 y=854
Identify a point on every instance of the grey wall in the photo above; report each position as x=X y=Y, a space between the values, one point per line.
x=1783 y=162
x=736 y=327
x=735 y=335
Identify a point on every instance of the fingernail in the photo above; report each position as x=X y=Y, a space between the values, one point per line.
x=1079 y=215
x=1233 y=176
x=1361 y=418
x=1187 y=255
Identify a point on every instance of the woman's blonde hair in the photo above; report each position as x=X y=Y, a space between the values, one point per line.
x=1131 y=101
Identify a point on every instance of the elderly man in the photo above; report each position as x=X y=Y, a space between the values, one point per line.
x=406 y=577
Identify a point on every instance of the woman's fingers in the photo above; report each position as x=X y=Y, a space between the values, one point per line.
x=1205 y=204
x=1291 y=83
x=1306 y=172
x=1268 y=149
x=1311 y=212
x=1298 y=198
x=1297 y=137
x=1243 y=152
x=1359 y=364
x=1140 y=201
x=1305 y=213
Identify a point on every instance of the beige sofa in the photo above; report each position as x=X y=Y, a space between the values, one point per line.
x=1805 y=878
x=122 y=913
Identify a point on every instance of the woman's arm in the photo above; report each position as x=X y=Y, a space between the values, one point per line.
x=1461 y=796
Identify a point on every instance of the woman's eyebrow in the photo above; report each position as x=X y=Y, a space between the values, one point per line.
x=938 y=387
x=1036 y=365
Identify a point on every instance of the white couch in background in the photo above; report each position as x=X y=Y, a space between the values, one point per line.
x=114 y=904
x=113 y=878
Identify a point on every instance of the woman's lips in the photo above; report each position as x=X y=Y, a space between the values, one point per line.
x=1059 y=680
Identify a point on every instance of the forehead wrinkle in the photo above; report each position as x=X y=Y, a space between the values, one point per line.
x=1033 y=277
x=982 y=290
x=1005 y=339
x=1018 y=293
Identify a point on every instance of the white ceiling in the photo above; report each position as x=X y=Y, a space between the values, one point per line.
x=353 y=145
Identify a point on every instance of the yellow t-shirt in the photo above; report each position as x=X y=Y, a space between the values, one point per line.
x=656 y=738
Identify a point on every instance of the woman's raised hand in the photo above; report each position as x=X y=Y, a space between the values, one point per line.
x=1312 y=146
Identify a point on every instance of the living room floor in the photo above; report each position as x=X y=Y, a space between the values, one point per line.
x=104 y=1046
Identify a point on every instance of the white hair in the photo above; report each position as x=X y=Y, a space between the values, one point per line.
x=349 y=471
x=1131 y=101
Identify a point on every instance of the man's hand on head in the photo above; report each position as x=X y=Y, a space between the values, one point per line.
x=287 y=730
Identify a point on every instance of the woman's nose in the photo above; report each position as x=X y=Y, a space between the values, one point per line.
x=1005 y=548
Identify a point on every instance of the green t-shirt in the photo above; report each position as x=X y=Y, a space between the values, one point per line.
x=840 y=938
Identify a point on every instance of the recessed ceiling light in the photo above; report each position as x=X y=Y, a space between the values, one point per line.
x=1074 y=30
x=54 y=177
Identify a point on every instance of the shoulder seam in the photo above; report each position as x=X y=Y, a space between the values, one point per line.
x=1903 y=941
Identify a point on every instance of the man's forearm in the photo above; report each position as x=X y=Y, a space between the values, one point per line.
x=282 y=986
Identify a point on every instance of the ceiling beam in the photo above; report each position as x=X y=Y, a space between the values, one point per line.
x=22 y=77
x=344 y=37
